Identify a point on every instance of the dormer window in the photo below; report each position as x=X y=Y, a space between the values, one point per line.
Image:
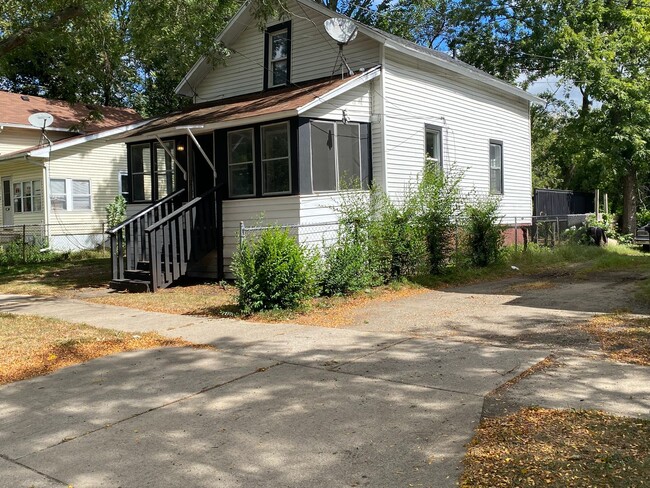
x=278 y=55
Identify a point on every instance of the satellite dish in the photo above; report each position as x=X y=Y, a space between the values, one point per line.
x=41 y=120
x=341 y=30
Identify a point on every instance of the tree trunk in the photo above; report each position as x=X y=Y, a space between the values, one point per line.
x=629 y=200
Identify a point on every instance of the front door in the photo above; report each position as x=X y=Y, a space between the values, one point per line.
x=7 y=209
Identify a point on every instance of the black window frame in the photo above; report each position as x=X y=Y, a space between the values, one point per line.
x=268 y=72
x=495 y=142
x=222 y=157
x=434 y=128
x=180 y=157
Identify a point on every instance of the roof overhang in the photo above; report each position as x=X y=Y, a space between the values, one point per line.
x=44 y=151
x=26 y=126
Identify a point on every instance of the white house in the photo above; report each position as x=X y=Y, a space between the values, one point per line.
x=59 y=191
x=277 y=126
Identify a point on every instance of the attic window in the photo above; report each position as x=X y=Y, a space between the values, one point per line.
x=278 y=55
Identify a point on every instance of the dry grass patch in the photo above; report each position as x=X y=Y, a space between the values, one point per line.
x=204 y=299
x=33 y=346
x=338 y=311
x=61 y=278
x=622 y=337
x=559 y=448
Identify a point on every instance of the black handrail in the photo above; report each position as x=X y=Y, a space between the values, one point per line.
x=146 y=210
x=128 y=241
x=181 y=237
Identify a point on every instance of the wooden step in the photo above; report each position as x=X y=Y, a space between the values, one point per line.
x=137 y=274
x=133 y=286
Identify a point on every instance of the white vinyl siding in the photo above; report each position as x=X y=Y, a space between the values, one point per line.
x=470 y=115
x=313 y=54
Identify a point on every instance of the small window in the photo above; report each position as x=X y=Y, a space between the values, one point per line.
x=335 y=156
x=165 y=173
x=58 y=195
x=141 y=172
x=81 y=195
x=28 y=197
x=123 y=184
x=433 y=144
x=496 y=168
x=278 y=55
x=70 y=194
x=241 y=163
x=276 y=164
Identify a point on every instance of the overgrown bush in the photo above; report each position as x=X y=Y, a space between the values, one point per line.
x=398 y=244
x=12 y=253
x=483 y=232
x=438 y=202
x=116 y=212
x=273 y=271
x=643 y=217
x=346 y=266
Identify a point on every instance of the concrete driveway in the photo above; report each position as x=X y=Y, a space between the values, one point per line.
x=282 y=405
x=272 y=405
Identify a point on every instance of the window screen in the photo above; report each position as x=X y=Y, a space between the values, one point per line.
x=276 y=165
x=141 y=172
x=241 y=163
x=81 y=195
x=496 y=168
x=323 y=156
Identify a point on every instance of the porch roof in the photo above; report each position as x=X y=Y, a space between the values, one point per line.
x=261 y=106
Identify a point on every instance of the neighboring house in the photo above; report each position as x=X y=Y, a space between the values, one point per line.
x=59 y=192
x=274 y=130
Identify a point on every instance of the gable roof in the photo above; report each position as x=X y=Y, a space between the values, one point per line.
x=269 y=105
x=16 y=108
x=243 y=18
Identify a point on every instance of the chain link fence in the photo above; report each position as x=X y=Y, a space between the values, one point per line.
x=544 y=230
x=57 y=237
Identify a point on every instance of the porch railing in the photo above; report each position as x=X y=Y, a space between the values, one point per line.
x=185 y=235
x=128 y=241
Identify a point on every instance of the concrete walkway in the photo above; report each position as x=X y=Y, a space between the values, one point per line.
x=274 y=405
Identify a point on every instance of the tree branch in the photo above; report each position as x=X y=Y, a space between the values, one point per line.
x=20 y=38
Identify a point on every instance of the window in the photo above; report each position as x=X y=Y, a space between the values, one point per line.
x=28 y=196
x=335 y=155
x=241 y=163
x=141 y=173
x=80 y=194
x=433 y=143
x=278 y=54
x=165 y=173
x=276 y=163
x=496 y=167
x=123 y=184
x=70 y=194
x=58 y=195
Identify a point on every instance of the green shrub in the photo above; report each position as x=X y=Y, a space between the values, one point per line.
x=398 y=246
x=643 y=217
x=12 y=253
x=346 y=266
x=577 y=235
x=437 y=202
x=116 y=212
x=483 y=232
x=273 y=272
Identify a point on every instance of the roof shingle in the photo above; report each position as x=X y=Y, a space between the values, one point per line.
x=16 y=109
